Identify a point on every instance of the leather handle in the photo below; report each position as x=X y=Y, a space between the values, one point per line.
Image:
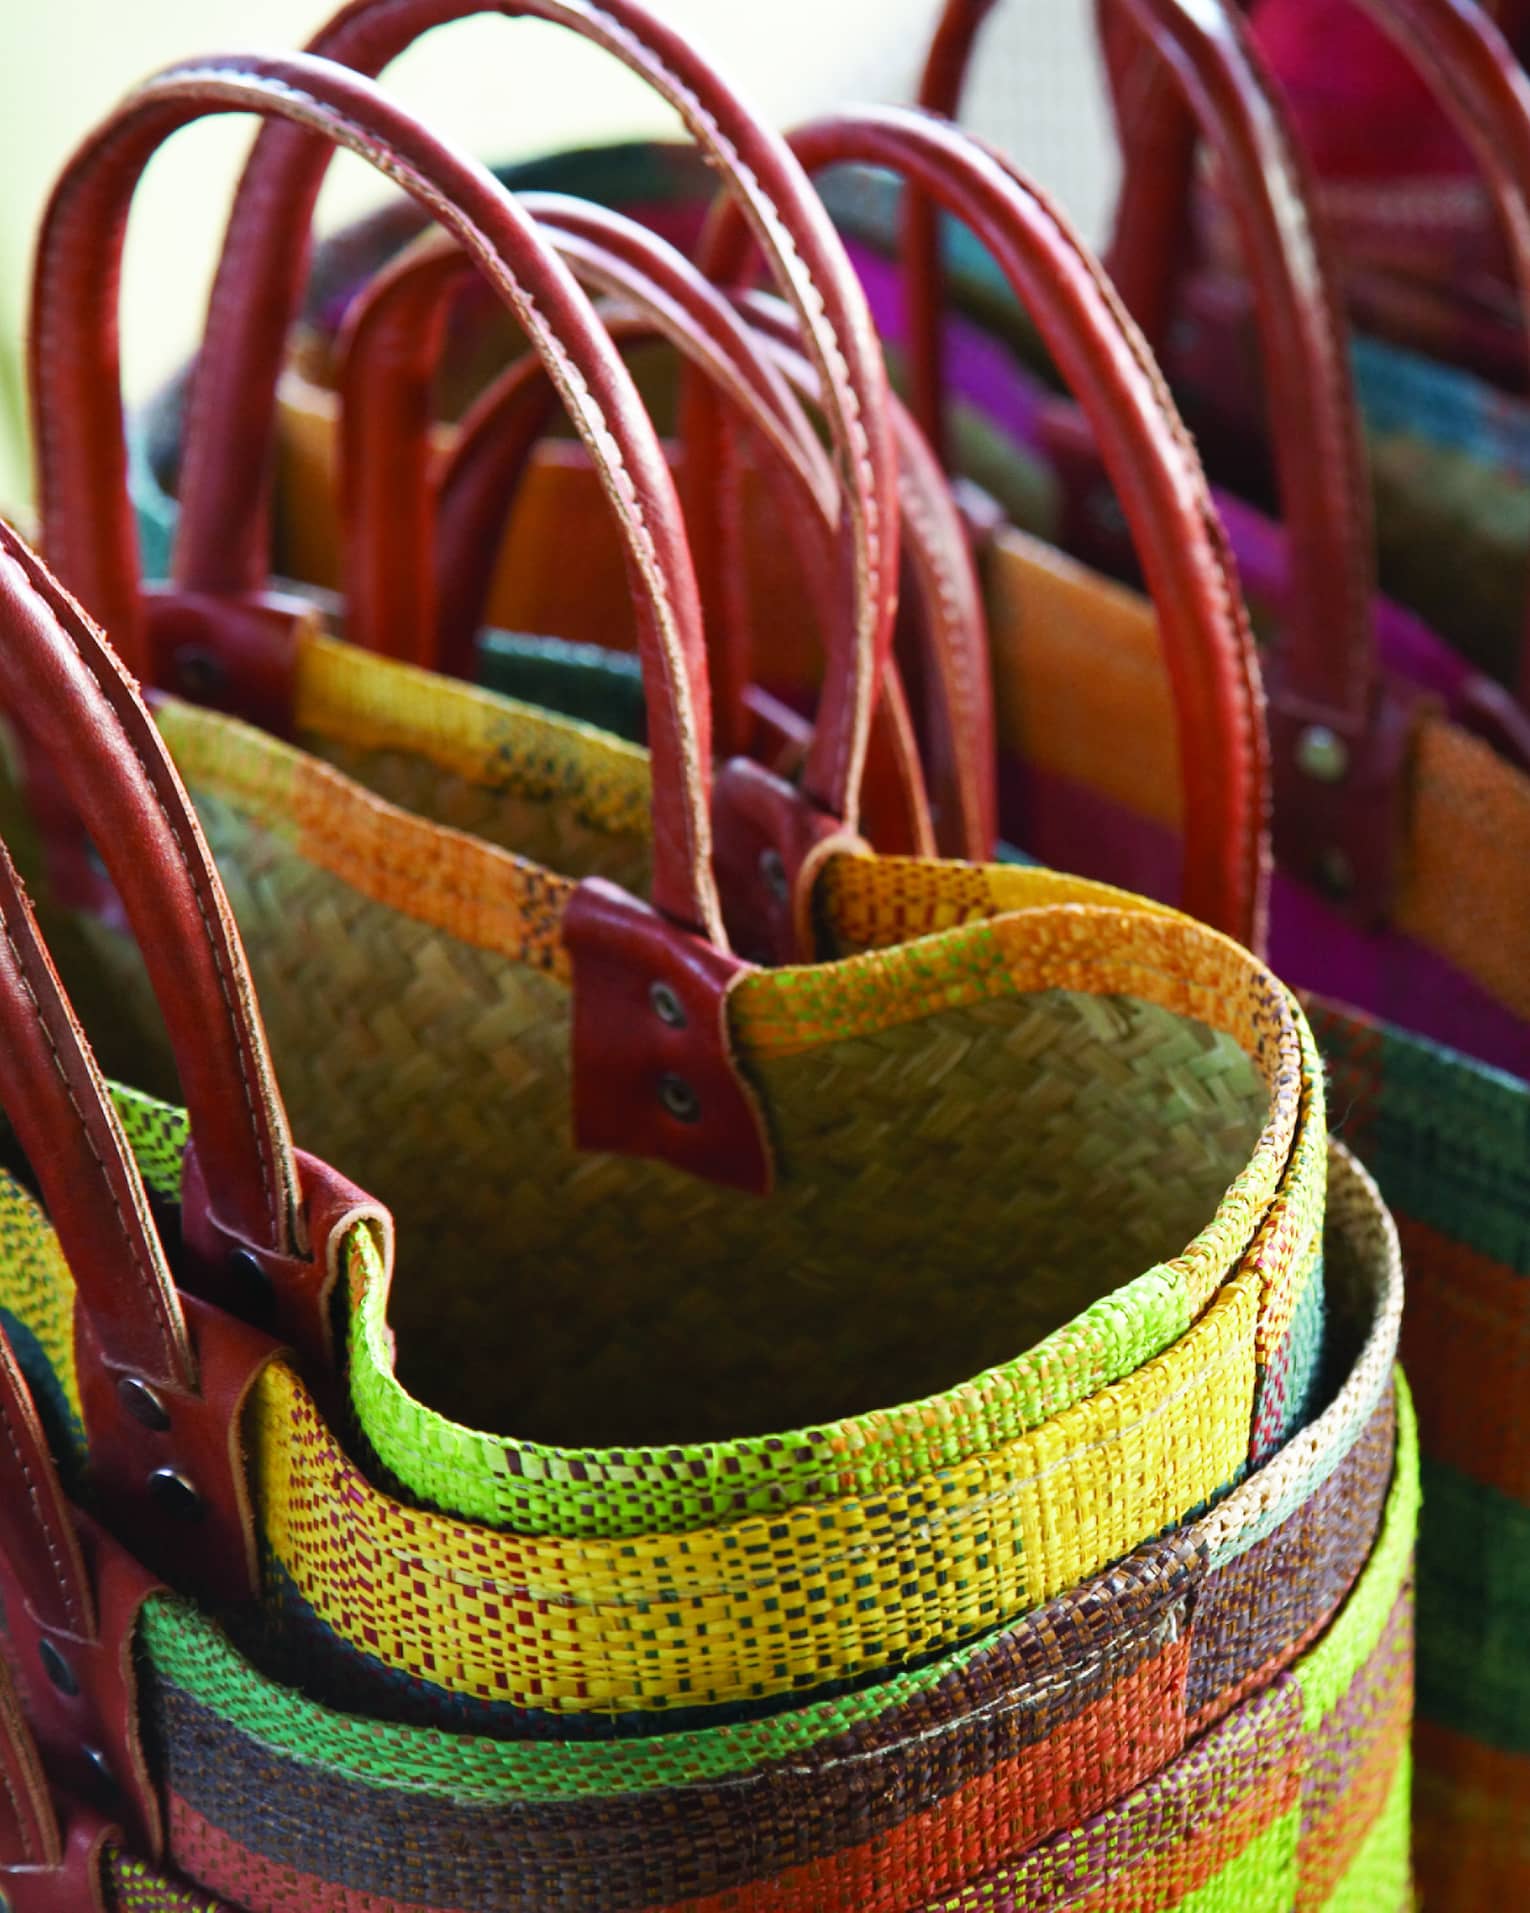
x=1102 y=358
x=389 y=348
x=80 y=712
x=77 y=406
x=1461 y=52
x=220 y=546
x=943 y=601
x=1202 y=74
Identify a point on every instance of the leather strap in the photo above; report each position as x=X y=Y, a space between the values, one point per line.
x=78 y=414
x=80 y=712
x=45 y=1866
x=387 y=364
x=229 y=425
x=1329 y=705
x=1100 y=355
x=943 y=634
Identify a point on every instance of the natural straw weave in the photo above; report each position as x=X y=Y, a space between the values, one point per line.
x=919 y=1786
x=401 y=963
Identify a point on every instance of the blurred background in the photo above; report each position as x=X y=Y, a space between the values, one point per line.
x=504 y=90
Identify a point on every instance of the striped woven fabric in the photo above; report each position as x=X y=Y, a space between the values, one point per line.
x=1449 y=1142
x=403 y=1610
x=1173 y=1716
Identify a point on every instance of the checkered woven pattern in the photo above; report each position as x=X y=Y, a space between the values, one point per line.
x=1178 y=1702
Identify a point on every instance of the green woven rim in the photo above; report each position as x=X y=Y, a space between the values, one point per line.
x=535 y=1488
x=189 y=1650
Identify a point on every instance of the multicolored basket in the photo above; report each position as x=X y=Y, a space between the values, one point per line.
x=794 y=1559
x=1449 y=1141
x=1228 y=1704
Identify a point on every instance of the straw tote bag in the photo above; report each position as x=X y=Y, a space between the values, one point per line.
x=1413 y=1106
x=804 y=1093
x=1430 y=250
x=1245 y=1682
x=1242 y=1687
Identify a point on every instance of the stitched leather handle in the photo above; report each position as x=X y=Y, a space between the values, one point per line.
x=77 y=707
x=387 y=354
x=77 y=406
x=1102 y=358
x=1328 y=660
x=221 y=545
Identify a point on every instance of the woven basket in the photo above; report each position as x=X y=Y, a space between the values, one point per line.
x=1035 y=1475
x=1145 y=1722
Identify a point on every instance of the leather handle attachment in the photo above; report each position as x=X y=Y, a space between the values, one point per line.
x=1101 y=357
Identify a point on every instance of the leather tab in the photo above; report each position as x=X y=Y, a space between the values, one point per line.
x=235 y=654
x=290 y=1297
x=653 y=1069
x=1339 y=798
x=75 y=1882
x=767 y=836
x=172 y=1483
x=80 y=1685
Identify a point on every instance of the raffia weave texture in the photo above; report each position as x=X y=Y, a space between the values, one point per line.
x=910 y=1788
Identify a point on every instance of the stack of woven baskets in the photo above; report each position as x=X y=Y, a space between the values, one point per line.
x=998 y=1493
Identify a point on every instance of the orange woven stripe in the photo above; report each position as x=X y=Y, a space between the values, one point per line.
x=1076 y=1771
x=1471 y=1820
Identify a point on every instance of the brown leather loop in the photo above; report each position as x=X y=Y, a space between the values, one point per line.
x=78 y=412
x=229 y=425
x=1101 y=357
x=82 y=717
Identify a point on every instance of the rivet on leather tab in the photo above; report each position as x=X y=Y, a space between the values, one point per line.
x=644 y=1084
x=142 y=1403
x=175 y=1494
x=57 y=1668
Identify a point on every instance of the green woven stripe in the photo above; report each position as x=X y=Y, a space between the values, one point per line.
x=1263 y=1875
x=1327 y=1672
x=156 y=1135
x=1474 y=1610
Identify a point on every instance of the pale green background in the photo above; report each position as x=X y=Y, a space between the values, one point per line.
x=500 y=88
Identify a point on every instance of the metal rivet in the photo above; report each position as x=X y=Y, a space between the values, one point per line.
x=679 y=1099
x=1322 y=754
x=175 y=1494
x=254 y=1299
x=57 y=1668
x=1336 y=874
x=199 y=673
x=101 y=1767
x=773 y=874
x=142 y=1403
x=667 y=1005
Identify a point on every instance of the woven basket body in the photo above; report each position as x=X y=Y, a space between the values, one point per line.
x=1227 y=1704
x=1165 y=1353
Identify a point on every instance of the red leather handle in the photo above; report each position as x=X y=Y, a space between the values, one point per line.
x=1328 y=658
x=942 y=595
x=1474 y=73
x=77 y=404
x=387 y=355
x=230 y=420
x=77 y=707
x=1151 y=462
x=388 y=352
